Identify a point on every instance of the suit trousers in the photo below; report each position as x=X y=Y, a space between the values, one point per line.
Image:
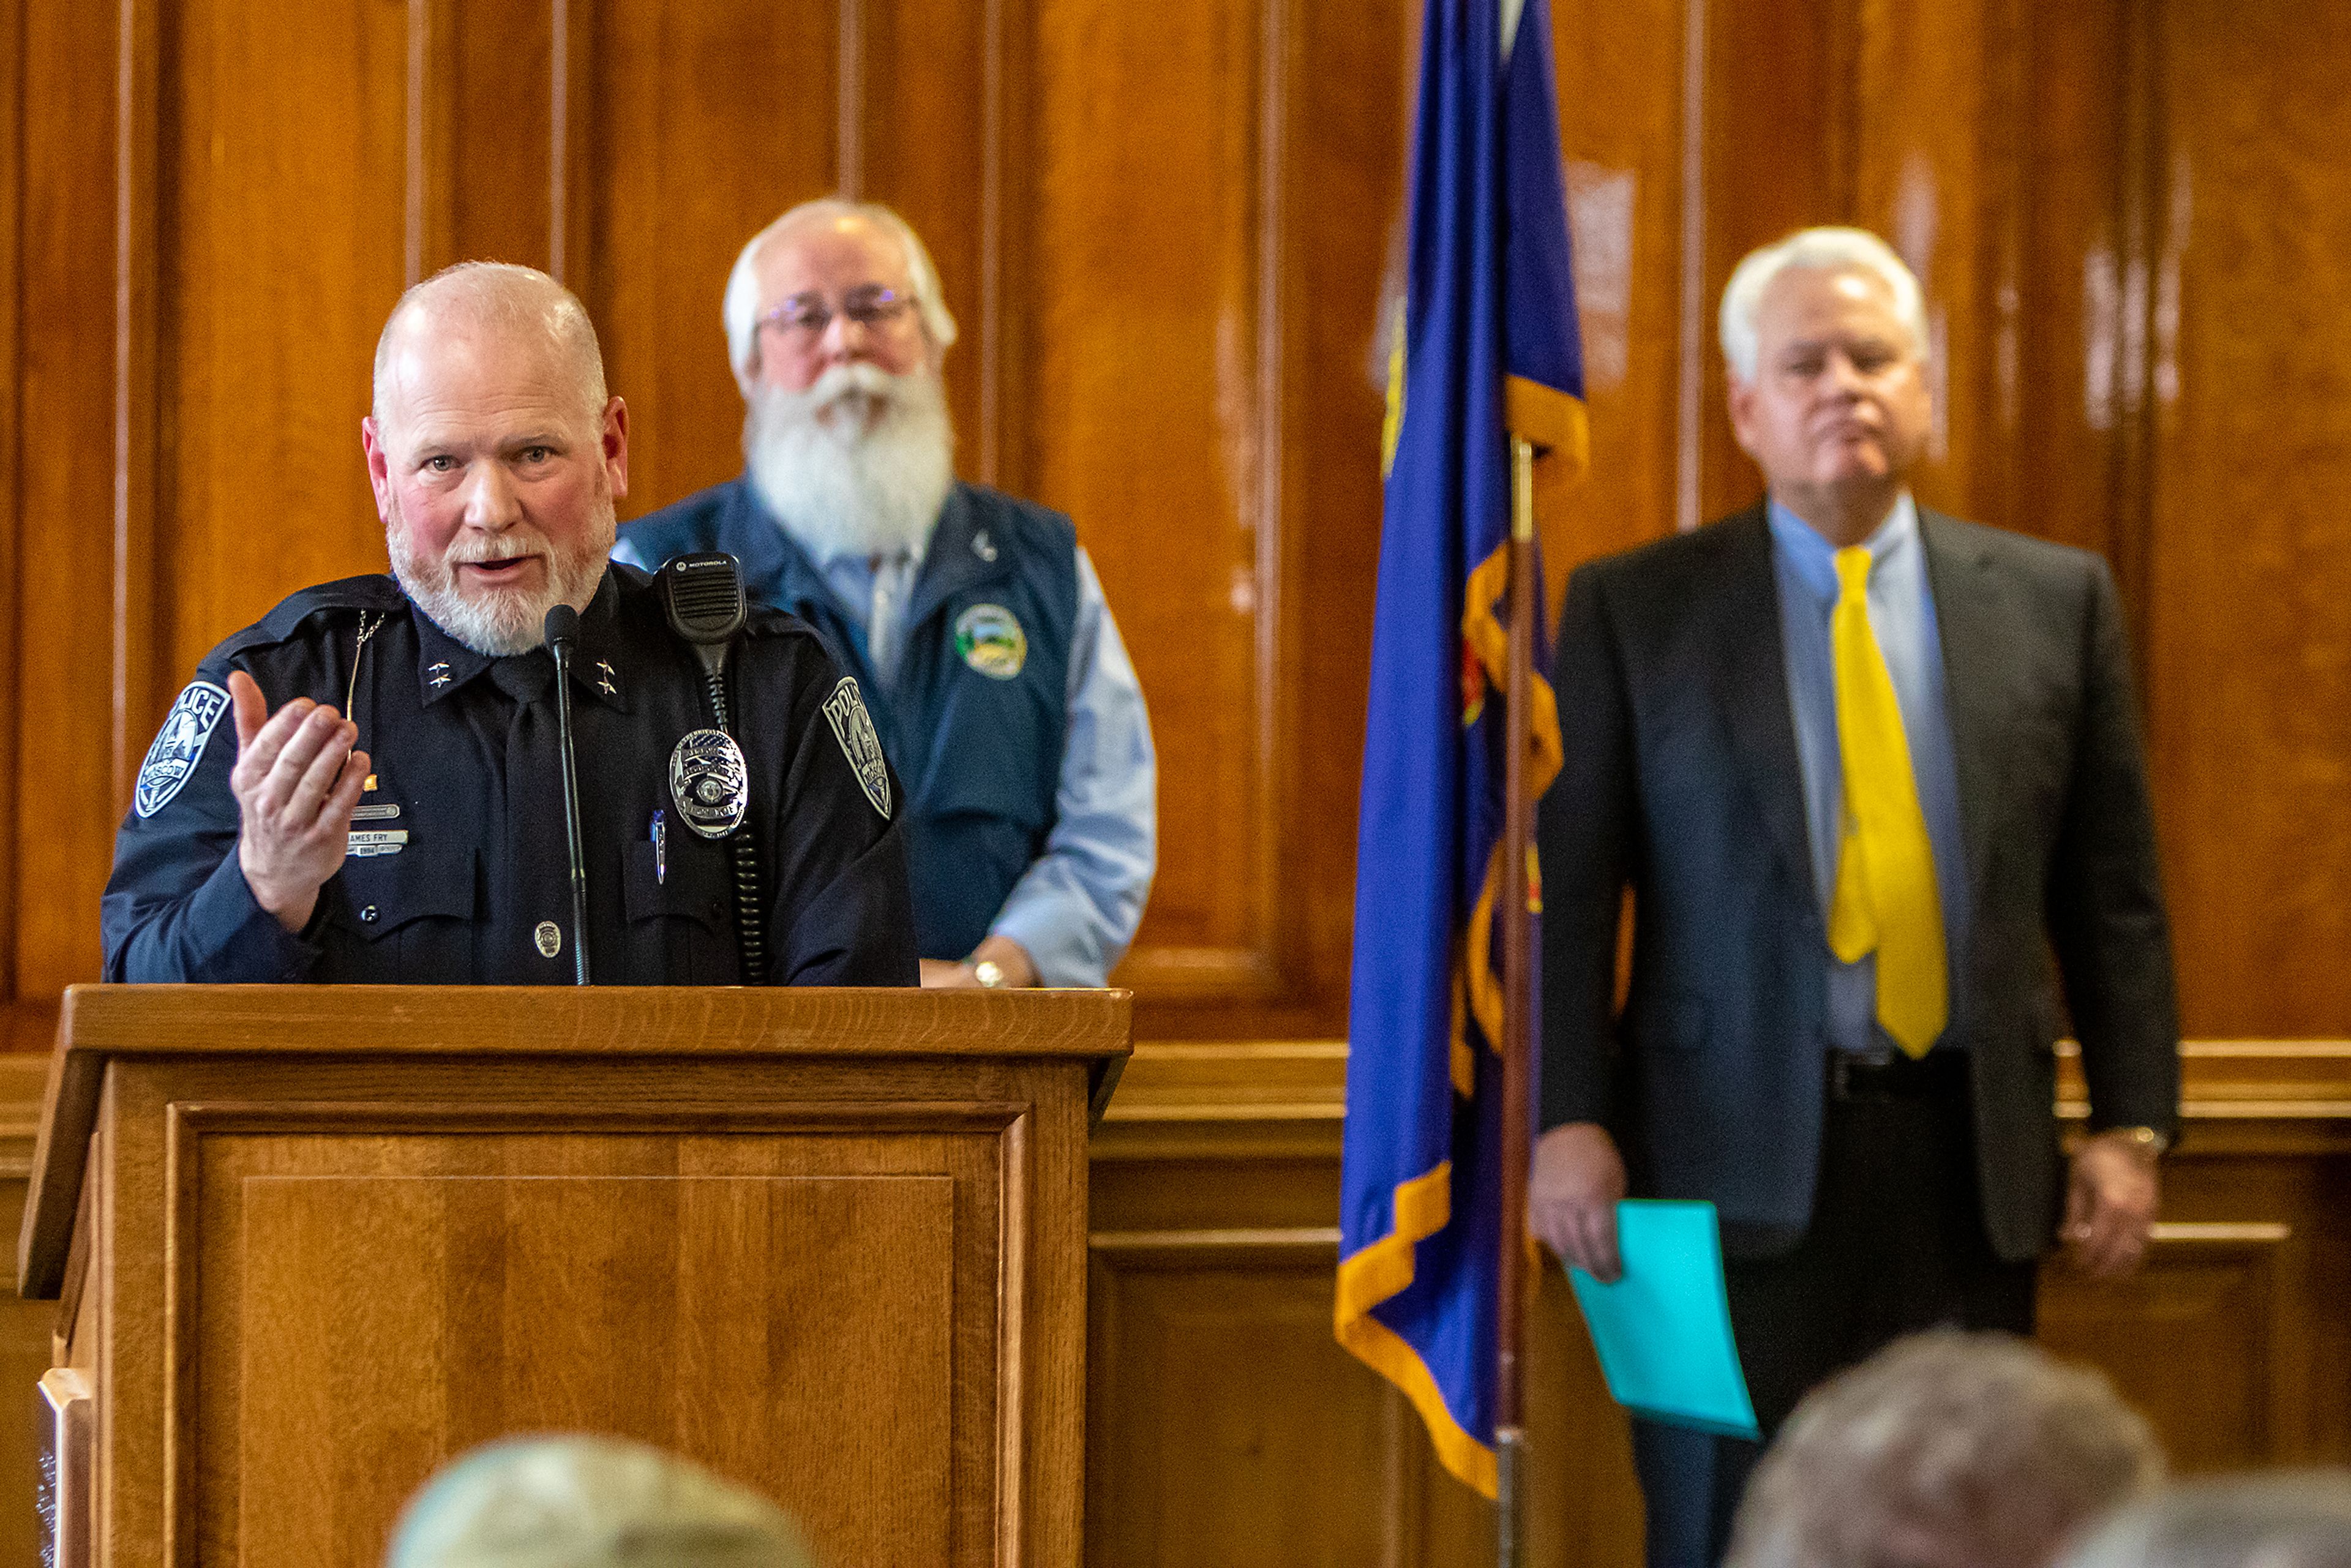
x=1897 y=1244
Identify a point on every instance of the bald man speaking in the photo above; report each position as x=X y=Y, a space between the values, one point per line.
x=367 y=785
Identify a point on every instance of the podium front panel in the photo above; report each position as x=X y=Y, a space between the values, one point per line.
x=851 y=1278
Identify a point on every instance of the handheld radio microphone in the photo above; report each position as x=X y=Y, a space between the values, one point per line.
x=703 y=597
x=562 y=627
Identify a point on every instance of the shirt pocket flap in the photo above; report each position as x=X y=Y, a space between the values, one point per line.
x=692 y=886
x=384 y=893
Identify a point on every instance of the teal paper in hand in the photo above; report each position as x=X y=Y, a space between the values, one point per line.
x=1663 y=1329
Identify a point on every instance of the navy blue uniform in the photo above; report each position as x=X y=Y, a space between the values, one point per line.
x=466 y=767
x=979 y=742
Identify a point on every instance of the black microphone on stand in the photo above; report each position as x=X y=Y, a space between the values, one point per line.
x=562 y=625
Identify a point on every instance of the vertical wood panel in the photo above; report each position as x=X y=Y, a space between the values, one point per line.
x=932 y=149
x=277 y=254
x=702 y=123
x=2062 y=453
x=1221 y=1403
x=2249 y=624
x=12 y=602
x=1340 y=197
x=62 y=823
x=1620 y=127
x=491 y=90
x=1150 y=317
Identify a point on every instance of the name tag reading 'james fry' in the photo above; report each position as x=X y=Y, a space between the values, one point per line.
x=378 y=841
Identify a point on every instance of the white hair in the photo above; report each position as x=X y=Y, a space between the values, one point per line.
x=740 y=306
x=589 y=1502
x=1983 y=1444
x=1829 y=249
x=2289 y=1519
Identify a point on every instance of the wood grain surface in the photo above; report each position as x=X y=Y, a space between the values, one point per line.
x=652 y=1040
x=1168 y=235
x=303 y=1280
x=1226 y=1426
x=1222 y=1417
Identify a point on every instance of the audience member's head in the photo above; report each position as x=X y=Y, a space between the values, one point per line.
x=2289 y=1520
x=1944 y=1450
x=589 y=1502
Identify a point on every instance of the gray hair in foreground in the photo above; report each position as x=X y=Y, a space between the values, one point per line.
x=2286 y=1520
x=740 y=308
x=589 y=1502
x=503 y=296
x=1829 y=250
x=1956 y=1448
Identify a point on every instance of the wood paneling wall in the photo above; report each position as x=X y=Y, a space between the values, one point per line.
x=1166 y=230
x=1226 y=1426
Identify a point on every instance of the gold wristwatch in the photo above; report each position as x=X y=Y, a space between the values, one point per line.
x=2146 y=1140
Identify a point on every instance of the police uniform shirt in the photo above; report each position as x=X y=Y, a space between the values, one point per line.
x=1004 y=695
x=459 y=872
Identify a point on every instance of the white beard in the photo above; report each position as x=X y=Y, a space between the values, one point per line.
x=838 y=487
x=500 y=622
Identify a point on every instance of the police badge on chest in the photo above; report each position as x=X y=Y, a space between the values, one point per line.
x=709 y=783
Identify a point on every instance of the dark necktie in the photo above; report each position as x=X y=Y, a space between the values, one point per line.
x=536 y=877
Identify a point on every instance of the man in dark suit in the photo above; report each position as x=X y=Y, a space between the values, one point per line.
x=1865 y=770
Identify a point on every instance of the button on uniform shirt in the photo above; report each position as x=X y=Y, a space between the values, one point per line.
x=459 y=870
x=1075 y=910
x=1902 y=614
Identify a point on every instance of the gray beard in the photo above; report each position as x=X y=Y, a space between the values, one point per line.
x=862 y=492
x=501 y=622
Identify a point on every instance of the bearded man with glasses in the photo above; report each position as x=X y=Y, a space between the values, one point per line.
x=973 y=620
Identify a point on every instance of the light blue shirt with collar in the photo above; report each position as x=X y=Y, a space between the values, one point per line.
x=1902 y=614
x=1075 y=910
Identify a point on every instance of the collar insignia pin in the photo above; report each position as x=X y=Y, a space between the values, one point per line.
x=982 y=546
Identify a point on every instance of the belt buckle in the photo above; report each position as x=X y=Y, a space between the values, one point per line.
x=1841 y=1064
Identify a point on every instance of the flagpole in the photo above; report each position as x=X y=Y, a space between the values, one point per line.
x=1518 y=960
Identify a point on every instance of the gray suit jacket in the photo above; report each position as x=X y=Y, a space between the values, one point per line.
x=1681 y=783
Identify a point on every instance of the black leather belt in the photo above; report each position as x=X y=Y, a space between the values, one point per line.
x=1894 y=1076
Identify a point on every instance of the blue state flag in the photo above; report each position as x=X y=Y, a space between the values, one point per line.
x=1487 y=344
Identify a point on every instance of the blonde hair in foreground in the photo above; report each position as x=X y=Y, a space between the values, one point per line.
x=1944 y=1449
x=589 y=1503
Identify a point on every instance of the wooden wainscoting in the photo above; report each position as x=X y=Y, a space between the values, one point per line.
x=1226 y=1426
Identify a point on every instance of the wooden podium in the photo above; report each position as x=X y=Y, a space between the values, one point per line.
x=313 y=1241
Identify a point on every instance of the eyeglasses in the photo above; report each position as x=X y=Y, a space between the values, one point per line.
x=806 y=317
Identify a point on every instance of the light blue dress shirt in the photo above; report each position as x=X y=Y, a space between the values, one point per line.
x=1902 y=614
x=1075 y=909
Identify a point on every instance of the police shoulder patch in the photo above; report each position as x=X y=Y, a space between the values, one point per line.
x=853 y=727
x=179 y=746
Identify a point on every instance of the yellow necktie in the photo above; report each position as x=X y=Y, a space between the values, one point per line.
x=1885 y=900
